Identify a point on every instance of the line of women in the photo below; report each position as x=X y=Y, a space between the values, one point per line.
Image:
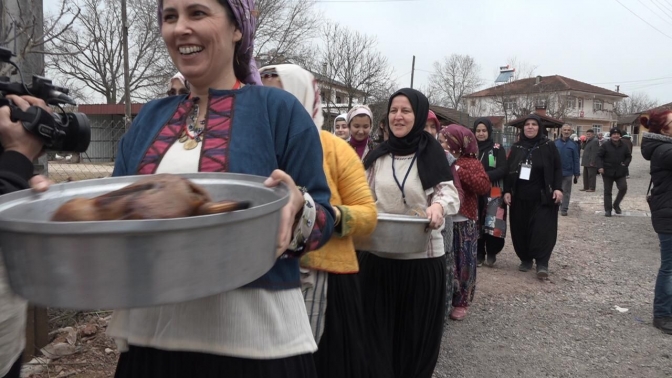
x=467 y=169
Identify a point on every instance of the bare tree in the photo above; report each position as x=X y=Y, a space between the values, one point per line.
x=284 y=28
x=636 y=103
x=454 y=78
x=432 y=94
x=26 y=31
x=90 y=57
x=351 y=58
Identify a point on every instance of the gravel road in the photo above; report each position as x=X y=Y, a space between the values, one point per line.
x=568 y=326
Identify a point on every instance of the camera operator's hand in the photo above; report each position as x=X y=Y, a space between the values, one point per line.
x=40 y=183
x=13 y=136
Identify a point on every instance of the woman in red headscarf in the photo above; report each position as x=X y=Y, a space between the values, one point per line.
x=432 y=125
x=461 y=143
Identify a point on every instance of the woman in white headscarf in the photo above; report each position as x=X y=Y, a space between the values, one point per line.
x=177 y=85
x=341 y=129
x=360 y=122
x=330 y=273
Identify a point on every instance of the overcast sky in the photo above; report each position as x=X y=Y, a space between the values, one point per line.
x=595 y=41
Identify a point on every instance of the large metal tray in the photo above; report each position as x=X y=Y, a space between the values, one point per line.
x=396 y=234
x=138 y=263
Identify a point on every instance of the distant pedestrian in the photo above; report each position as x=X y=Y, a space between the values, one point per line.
x=600 y=138
x=590 y=149
x=613 y=160
x=569 y=156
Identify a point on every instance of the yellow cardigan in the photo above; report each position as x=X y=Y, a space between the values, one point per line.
x=351 y=194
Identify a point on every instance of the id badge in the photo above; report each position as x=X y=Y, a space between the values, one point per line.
x=525 y=171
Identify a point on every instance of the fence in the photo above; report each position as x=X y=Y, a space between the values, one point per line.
x=505 y=138
x=96 y=162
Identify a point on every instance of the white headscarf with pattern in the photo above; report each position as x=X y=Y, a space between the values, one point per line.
x=302 y=85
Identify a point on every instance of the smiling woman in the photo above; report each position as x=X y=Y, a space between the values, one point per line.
x=360 y=120
x=227 y=123
x=404 y=294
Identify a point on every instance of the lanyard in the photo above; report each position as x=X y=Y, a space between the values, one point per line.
x=394 y=173
x=529 y=152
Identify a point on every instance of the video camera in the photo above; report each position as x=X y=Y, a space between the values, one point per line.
x=67 y=132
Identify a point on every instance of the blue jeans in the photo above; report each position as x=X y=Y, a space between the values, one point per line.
x=662 y=302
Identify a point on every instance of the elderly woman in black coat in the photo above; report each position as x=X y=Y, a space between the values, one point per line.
x=533 y=190
x=657 y=148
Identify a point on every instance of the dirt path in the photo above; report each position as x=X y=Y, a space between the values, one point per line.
x=568 y=326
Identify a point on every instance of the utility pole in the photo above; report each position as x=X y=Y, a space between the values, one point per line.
x=412 y=71
x=127 y=89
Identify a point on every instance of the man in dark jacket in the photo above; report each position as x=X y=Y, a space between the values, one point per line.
x=613 y=160
x=627 y=140
x=569 y=156
x=16 y=170
x=590 y=149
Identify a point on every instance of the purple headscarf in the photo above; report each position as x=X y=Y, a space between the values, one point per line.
x=245 y=15
x=460 y=140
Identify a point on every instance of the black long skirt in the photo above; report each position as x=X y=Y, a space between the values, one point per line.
x=534 y=230
x=342 y=351
x=141 y=362
x=404 y=308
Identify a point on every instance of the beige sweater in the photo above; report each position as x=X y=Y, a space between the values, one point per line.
x=389 y=198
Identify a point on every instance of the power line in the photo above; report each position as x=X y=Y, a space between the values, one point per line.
x=633 y=81
x=659 y=7
x=628 y=9
x=665 y=5
x=402 y=76
x=639 y=87
x=652 y=11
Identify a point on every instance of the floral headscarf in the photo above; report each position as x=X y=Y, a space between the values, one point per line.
x=460 y=140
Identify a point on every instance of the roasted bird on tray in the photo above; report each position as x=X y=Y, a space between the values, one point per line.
x=159 y=196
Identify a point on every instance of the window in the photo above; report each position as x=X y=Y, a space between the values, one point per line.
x=579 y=103
x=338 y=100
x=571 y=102
x=323 y=95
x=597 y=129
x=509 y=105
x=598 y=104
x=473 y=102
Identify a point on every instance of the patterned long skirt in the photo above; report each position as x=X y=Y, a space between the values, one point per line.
x=465 y=246
x=450 y=263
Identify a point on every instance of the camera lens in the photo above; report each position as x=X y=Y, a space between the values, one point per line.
x=78 y=133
